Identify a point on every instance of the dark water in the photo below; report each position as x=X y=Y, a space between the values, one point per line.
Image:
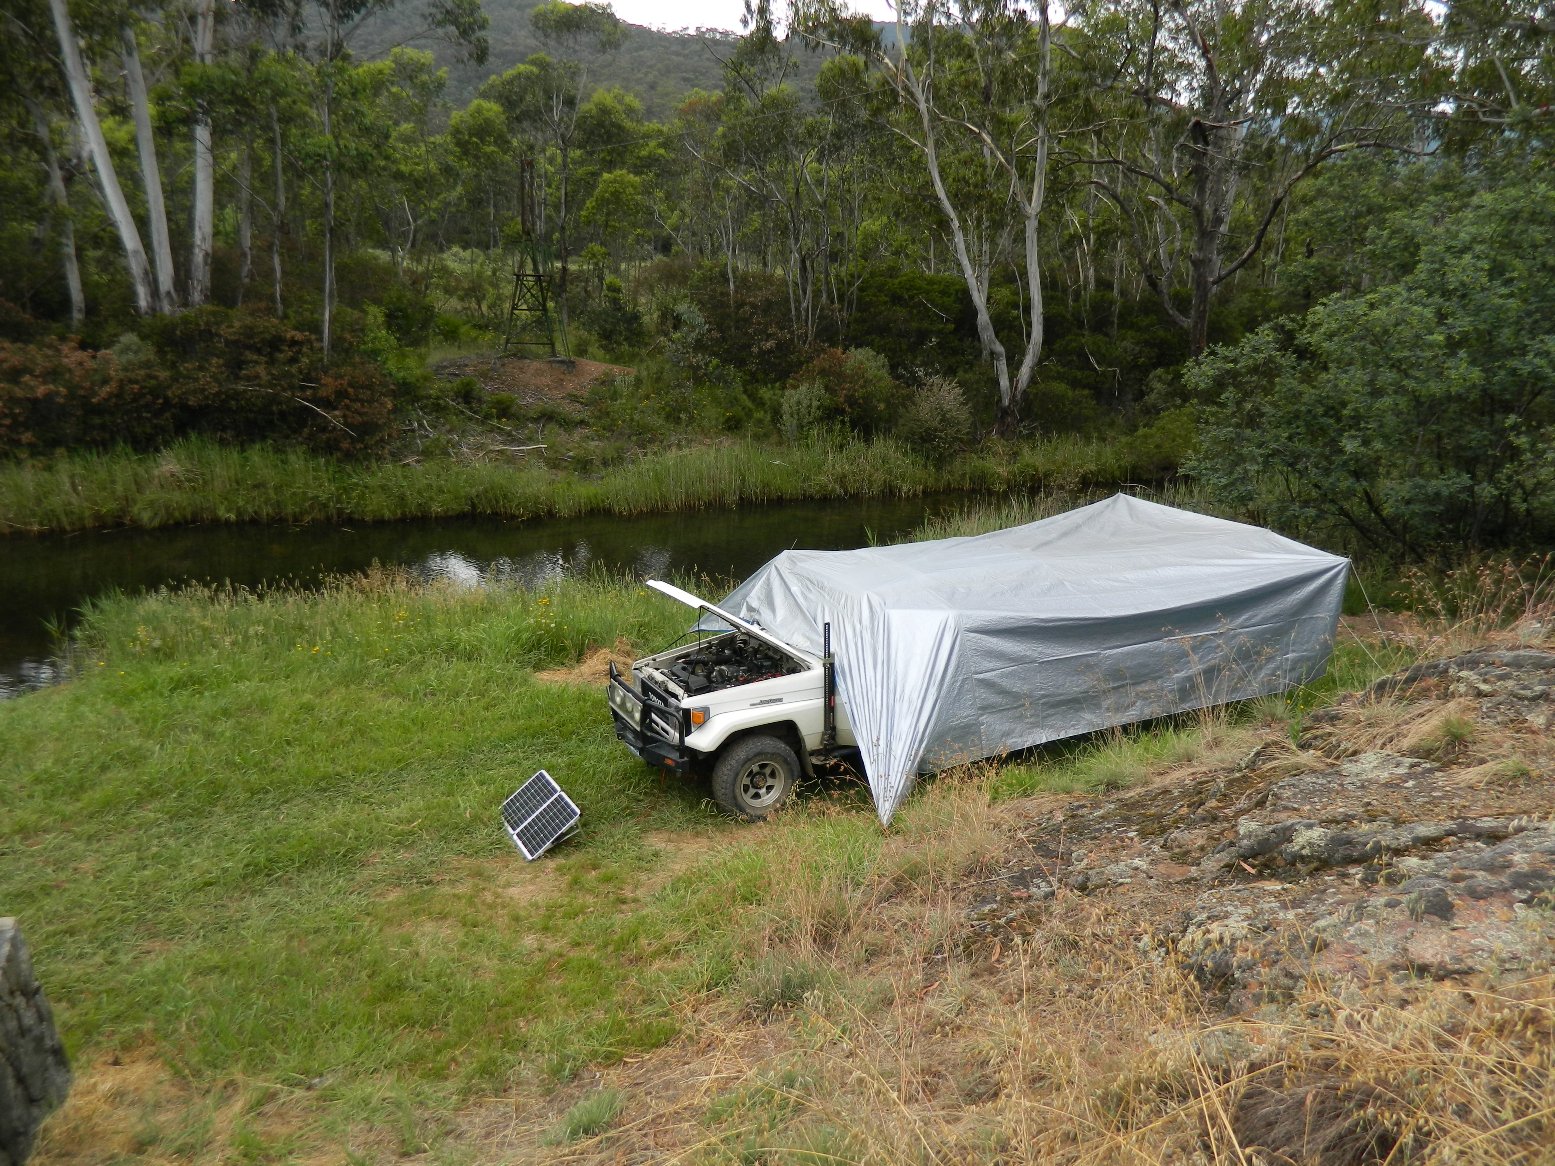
x=43 y=581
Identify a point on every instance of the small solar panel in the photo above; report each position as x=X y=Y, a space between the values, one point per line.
x=538 y=815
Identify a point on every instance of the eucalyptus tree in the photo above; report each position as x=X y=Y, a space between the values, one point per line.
x=411 y=181
x=486 y=158
x=1502 y=54
x=781 y=158
x=203 y=234
x=1221 y=107
x=620 y=213
x=29 y=96
x=461 y=22
x=113 y=29
x=622 y=164
x=543 y=96
x=149 y=292
x=162 y=270
x=792 y=159
x=708 y=213
x=976 y=80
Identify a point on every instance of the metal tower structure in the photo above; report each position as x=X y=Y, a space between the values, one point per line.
x=530 y=329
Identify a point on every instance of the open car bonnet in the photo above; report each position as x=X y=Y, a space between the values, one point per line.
x=725 y=617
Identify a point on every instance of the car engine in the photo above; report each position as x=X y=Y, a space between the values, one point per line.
x=727 y=662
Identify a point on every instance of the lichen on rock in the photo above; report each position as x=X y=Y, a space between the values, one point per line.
x=1375 y=852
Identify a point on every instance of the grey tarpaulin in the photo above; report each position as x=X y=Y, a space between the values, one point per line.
x=1113 y=613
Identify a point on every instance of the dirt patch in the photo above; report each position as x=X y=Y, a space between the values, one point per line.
x=559 y=384
x=680 y=850
x=594 y=669
x=109 y=1099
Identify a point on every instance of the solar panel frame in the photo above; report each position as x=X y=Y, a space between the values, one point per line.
x=537 y=815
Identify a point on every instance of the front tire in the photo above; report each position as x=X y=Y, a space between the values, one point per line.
x=754 y=776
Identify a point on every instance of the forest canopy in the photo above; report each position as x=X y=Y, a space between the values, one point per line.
x=989 y=216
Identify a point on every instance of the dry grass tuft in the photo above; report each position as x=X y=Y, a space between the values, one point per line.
x=1504 y=771
x=1497 y=602
x=594 y=668
x=869 y=1025
x=132 y=1106
x=1080 y=1046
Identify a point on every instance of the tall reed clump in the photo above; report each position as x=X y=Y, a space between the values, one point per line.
x=197 y=480
x=985 y=515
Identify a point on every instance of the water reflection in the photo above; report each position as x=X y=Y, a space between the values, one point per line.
x=27 y=674
x=44 y=581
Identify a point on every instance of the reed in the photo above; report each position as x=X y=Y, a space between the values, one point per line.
x=197 y=481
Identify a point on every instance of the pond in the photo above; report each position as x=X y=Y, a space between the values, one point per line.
x=44 y=581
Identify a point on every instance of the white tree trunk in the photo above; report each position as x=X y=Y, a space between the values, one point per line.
x=327 y=330
x=1031 y=211
x=987 y=337
x=204 y=165
x=245 y=217
x=61 y=197
x=102 y=162
x=150 y=174
x=1029 y=194
x=277 y=209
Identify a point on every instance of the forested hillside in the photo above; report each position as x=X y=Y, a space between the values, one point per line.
x=658 y=68
x=1299 y=250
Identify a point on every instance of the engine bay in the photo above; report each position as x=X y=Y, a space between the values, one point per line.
x=727 y=662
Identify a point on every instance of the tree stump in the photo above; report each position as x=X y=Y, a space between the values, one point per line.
x=34 y=1075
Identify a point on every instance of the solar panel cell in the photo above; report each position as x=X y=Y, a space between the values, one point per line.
x=538 y=815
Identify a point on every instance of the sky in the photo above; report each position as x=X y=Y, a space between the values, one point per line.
x=677 y=14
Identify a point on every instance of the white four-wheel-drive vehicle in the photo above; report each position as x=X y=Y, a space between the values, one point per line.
x=965 y=648
x=742 y=706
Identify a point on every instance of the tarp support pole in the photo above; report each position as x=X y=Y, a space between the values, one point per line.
x=828 y=693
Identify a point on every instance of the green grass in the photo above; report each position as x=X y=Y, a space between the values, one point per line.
x=588 y=1117
x=260 y=834
x=198 y=481
x=256 y=839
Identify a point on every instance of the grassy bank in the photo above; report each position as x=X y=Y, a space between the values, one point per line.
x=197 y=481
x=255 y=851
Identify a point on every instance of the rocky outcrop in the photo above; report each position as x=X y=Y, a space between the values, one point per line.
x=1408 y=834
x=34 y=1075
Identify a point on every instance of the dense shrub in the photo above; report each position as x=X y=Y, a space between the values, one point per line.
x=1158 y=450
x=1054 y=406
x=404 y=366
x=858 y=387
x=44 y=390
x=226 y=375
x=806 y=411
x=915 y=320
x=1107 y=349
x=16 y=324
x=1419 y=417
x=746 y=327
x=938 y=422
x=628 y=407
x=408 y=315
x=614 y=319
